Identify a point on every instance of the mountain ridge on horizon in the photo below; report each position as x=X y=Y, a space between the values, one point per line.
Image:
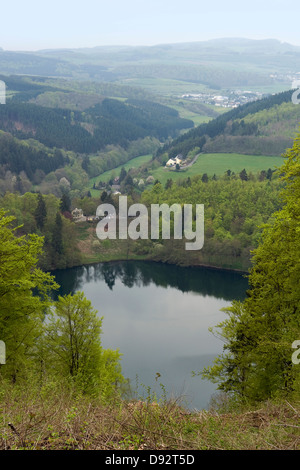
x=229 y=40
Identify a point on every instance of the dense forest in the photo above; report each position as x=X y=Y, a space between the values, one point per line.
x=110 y=122
x=232 y=229
x=17 y=156
x=56 y=134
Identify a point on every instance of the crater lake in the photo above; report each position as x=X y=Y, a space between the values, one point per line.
x=158 y=316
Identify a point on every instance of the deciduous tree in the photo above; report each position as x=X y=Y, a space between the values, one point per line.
x=24 y=295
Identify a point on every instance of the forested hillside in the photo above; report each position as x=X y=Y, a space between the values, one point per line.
x=109 y=122
x=263 y=127
x=18 y=156
x=47 y=125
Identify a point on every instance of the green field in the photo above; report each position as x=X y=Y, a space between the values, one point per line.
x=187 y=114
x=210 y=163
x=219 y=163
x=164 y=86
x=106 y=176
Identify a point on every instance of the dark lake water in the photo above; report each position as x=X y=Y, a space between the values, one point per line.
x=158 y=317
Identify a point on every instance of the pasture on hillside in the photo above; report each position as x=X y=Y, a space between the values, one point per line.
x=219 y=163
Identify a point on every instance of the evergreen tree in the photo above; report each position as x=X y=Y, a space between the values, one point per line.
x=57 y=238
x=169 y=183
x=123 y=174
x=103 y=196
x=18 y=185
x=243 y=175
x=269 y=174
x=85 y=163
x=65 y=203
x=40 y=212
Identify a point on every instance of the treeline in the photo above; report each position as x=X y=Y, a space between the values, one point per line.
x=235 y=207
x=23 y=89
x=114 y=156
x=16 y=156
x=137 y=116
x=266 y=132
x=198 y=136
x=247 y=144
x=53 y=127
x=212 y=76
x=29 y=63
x=282 y=119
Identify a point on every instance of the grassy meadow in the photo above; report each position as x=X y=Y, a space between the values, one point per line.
x=219 y=163
x=210 y=163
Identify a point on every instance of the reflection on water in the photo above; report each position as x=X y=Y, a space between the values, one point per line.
x=158 y=317
x=227 y=285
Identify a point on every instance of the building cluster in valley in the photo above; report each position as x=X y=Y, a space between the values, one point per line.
x=233 y=99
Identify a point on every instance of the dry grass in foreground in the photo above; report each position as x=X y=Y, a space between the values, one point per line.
x=46 y=421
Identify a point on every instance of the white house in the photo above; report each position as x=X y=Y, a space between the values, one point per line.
x=170 y=162
x=174 y=161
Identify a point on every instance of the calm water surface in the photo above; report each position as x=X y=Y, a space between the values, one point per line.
x=158 y=317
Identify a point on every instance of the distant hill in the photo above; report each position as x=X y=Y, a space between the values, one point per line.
x=264 y=127
x=216 y=63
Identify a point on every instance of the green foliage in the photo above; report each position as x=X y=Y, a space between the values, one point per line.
x=218 y=164
x=35 y=213
x=106 y=123
x=48 y=342
x=57 y=238
x=17 y=156
x=218 y=134
x=72 y=348
x=24 y=295
x=259 y=332
x=232 y=229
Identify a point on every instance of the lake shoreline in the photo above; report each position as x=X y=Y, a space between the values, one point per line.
x=149 y=260
x=146 y=303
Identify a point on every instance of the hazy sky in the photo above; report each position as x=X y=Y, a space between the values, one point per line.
x=40 y=24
